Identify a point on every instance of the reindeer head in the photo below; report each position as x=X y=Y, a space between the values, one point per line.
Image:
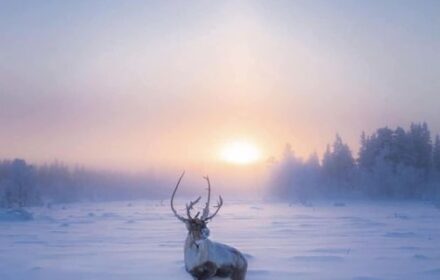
x=197 y=226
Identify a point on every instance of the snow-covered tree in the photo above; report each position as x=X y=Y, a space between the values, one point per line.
x=294 y=178
x=391 y=163
x=420 y=146
x=338 y=165
x=17 y=183
x=436 y=154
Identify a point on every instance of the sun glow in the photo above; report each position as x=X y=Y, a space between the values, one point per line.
x=240 y=152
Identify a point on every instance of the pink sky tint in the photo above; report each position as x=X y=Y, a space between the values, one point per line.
x=137 y=84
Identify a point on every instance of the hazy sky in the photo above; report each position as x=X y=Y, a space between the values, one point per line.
x=131 y=83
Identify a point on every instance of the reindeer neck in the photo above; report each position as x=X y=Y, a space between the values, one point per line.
x=190 y=241
x=189 y=238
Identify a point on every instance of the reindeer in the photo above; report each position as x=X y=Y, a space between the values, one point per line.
x=206 y=259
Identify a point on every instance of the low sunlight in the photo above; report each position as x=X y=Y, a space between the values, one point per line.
x=244 y=140
x=240 y=152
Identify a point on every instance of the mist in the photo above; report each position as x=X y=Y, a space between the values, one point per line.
x=111 y=86
x=316 y=122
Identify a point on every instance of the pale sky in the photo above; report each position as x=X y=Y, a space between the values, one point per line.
x=131 y=84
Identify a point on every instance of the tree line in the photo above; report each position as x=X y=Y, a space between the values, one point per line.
x=391 y=163
x=23 y=184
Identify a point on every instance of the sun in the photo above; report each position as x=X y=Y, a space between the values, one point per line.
x=240 y=152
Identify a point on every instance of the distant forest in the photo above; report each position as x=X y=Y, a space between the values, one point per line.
x=390 y=164
x=399 y=163
x=22 y=184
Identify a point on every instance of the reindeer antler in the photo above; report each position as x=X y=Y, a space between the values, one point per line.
x=205 y=215
x=208 y=201
x=218 y=206
x=172 y=199
x=190 y=206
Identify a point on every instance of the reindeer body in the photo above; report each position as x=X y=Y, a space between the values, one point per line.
x=206 y=259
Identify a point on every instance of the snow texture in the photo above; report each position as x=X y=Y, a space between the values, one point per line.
x=143 y=240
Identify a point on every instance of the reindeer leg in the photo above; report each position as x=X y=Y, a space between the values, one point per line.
x=240 y=272
x=204 y=271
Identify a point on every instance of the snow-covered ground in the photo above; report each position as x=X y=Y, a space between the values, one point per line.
x=142 y=240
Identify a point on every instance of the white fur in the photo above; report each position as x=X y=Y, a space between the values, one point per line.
x=201 y=251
